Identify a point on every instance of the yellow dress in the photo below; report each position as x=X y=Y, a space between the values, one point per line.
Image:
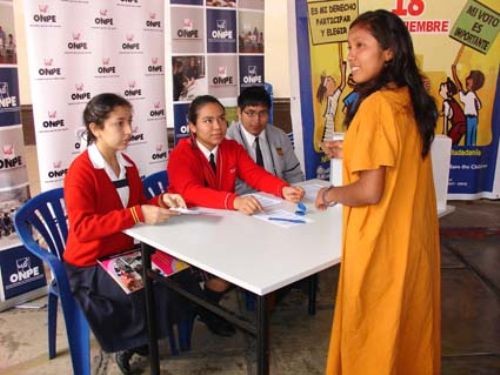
x=387 y=311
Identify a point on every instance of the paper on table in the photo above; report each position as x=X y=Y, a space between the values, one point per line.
x=312 y=190
x=190 y=211
x=282 y=214
x=266 y=200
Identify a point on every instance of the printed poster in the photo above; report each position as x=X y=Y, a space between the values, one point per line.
x=456 y=44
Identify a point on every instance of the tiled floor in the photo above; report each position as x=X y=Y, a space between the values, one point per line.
x=470 y=314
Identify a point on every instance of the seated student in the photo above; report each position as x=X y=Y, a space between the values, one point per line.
x=267 y=145
x=104 y=195
x=204 y=169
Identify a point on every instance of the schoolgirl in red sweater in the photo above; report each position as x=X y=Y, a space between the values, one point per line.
x=104 y=195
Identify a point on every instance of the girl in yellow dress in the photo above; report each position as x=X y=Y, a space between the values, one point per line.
x=387 y=312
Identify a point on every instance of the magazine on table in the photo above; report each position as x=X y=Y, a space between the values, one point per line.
x=126 y=268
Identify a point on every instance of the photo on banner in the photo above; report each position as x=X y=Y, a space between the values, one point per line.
x=216 y=48
x=454 y=46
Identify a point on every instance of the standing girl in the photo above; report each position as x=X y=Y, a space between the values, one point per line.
x=104 y=196
x=387 y=313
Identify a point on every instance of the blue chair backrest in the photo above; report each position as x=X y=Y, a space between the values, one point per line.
x=46 y=214
x=155 y=184
x=41 y=224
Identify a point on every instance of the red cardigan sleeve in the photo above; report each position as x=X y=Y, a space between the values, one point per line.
x=190 y=175
x=258 y=177
x=94 y=208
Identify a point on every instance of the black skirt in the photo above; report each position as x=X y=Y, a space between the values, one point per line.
x=117 y=319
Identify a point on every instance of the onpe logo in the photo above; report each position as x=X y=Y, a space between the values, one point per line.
x=252 y=70
x=81 y=135
x=187 y=24
x=221 y=25
x=24 y=270
x=222 y=71
x=8 y=150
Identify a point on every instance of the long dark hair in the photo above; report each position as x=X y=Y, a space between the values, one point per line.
x=199 y=102
x=98 y=109
x=391 y=33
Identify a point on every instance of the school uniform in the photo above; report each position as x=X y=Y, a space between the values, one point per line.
x=277 y=153
x=192 y=176
x=100 y=205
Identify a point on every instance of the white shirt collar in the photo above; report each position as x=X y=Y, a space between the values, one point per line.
x=250 y=138
x=98 y=161
x=206 y=151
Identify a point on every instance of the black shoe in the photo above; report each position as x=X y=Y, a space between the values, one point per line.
x=218 y=326
x=122 y=359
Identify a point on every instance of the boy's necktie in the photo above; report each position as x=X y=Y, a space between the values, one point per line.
x=258 y=153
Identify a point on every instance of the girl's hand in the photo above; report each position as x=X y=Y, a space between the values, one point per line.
x=248 y=204
x=293 y=193
x=155 y=215
x=173 y=200
x=333 y=149
x=320 y=202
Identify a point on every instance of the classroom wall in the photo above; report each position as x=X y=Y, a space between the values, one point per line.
x=276 y=49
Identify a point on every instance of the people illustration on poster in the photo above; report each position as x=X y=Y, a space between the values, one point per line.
x=329 y=90
x=351 y=98
x=453 y=115
x=468 y=97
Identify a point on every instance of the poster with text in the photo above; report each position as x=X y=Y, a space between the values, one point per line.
x=456 y=46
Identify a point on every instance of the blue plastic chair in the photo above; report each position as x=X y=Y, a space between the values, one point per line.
x=44 y=216
x=155 y=184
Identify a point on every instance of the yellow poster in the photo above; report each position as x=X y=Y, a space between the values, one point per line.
x=430 y=23
x=456 y=44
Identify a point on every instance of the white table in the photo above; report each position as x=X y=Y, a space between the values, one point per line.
x=252 y=254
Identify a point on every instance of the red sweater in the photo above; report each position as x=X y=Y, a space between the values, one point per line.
x=95 y=213
x=191 y=176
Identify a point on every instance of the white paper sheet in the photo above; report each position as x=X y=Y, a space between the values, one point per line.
x=266 y=200
x=282 y=218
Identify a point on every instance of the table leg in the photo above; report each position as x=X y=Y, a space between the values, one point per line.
x=150 y=309
x=313 y=286
x=262 y=337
